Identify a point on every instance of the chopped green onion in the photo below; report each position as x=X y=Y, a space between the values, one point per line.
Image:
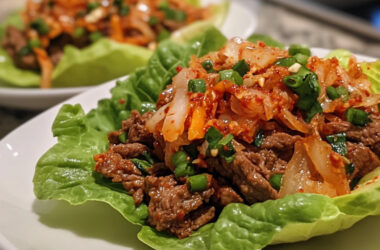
x=142 y=165
x=335 y=93
x=184 y=169
x=226 y=139
x=197 y=183
x=259 y=138
x=172 y=14
x=164 y=34
x=299 y=49
x=179 y=158
x=350 y=168
x=208 y=65
x=148 y=157
x=197 y=86
x=338 y=143
x=124 y=10
x=275 y=181
x=242 y=67
x=79 y=32
x=301 y=58
x=92 y=5
x=40 y=26
x=357 y=117
x=286 y=62
x=315 y=109
x=34 y=43
x=123 y=137
x=213 y=136
x=191 y=150
x=153 y=21
x=332 y=93
x=24 y=51
x=95 y=36
x=354 y=182
x=232 y=76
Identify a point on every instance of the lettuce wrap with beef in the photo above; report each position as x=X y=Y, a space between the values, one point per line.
x=66 y=171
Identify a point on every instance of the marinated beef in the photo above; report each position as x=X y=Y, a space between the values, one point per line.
x=135 y=126
x=13 y=42
x=369 y=135
x=245 y=175
x=129 y=150
x=174 y=208
x=224 y=194
x=112 y=165
x=363 y=158
x=281 y=143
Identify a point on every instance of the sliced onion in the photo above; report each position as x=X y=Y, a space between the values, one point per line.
x=151 y=124
x=293 y=122
x=369 y=101
x=178 y=109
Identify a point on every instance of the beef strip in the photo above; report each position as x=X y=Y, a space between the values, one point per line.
x=363 y=158
x=245 y=175
x=112 y=165
x=224 y=194
x=135 y=126
x=129 y=150
x=368 y=135
x=174 y=208
x=13 y=41
x=281 y=143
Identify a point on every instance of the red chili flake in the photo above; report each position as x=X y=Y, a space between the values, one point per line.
x=181 y=215
x=121 y=101
x=178 y=69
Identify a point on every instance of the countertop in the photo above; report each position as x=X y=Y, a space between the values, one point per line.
x=282 y=24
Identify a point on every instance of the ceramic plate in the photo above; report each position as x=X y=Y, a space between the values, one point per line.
x=34 y=99
x=27 y=223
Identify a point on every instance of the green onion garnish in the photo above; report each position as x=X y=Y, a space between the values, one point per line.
x=338 y=143
x=350 y=168
x=219 y=145
x=172 y=14
x=153 y=21
x=208 y=65
x=301 y=58
x=286 y=62
x=92 y=5
x=124 y=10
x=335 y=93
x=24 y=51
x=40 y=26
x=34 y=43
x=299 y=49
x=95 y=36
x=357 y=117
x=275 y=181
x=232 y=76
x=259 y=138
x=242 y=67
x=79 y=32
x=197 y=86
x=197 y=183
x=184 y=170
x=142 y=165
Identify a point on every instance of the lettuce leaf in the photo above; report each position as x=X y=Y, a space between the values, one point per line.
x=268 y=40
x=342 y=55
x=65 y=172
x=99 y=62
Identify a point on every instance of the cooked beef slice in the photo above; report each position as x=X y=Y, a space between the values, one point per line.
x=363 y=158
x=129 y=150
x=245 y=175
x=369 y=135
x=281 y=143
x=268 y=162
x=13 y=41
x=225 y=194
x=135 y=126
x=174 y=208
x=112 y=165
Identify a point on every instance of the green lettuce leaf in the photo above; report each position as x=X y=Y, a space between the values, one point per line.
x=268 y=40
x=372 y=70
x=65 y=172
x=100 y=62
x=342 y=55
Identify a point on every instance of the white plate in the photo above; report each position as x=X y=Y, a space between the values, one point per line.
x=27 y=223
x=34 y=99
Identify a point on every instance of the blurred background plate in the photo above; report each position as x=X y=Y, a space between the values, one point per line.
x=37 y=99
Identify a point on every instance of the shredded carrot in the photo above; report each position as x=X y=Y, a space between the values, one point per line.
x=46 y=67
x=198 y=121
x=116 y=28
